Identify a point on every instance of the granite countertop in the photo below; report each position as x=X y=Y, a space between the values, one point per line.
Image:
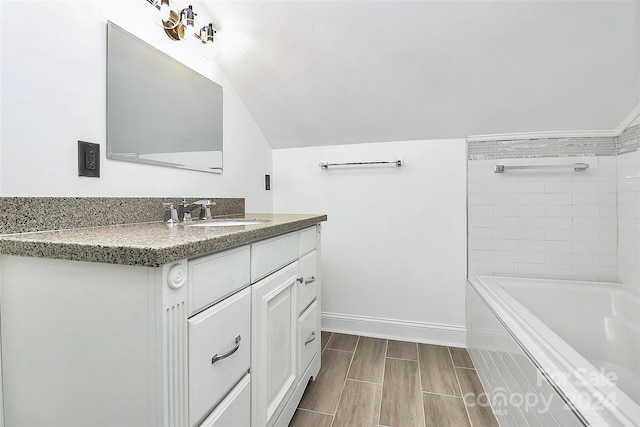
x=150 y=244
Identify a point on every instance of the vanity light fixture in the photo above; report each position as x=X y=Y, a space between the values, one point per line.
x=207 y=33
x=181 y=24
x=189 y=20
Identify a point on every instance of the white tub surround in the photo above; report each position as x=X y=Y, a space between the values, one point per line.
x=556 y=222
x=628 y=163
x=542 y=222
x=543 y=346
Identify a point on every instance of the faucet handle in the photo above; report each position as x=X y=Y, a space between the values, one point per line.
x=205 y=211
x=204 y=203
x=170 y=213
x=184 y=214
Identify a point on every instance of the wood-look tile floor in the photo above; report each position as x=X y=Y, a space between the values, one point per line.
x=371 y=382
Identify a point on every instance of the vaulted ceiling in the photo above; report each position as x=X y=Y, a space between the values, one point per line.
x=337 y=72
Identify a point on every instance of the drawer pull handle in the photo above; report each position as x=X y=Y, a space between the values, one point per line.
x=310 y=280
x=311 y=338
x=300 y=279
x=217 y=357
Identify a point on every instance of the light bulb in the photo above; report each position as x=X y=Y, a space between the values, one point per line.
x=189 y=31
x=189 y=23
x=165 y=10
x=210 y=33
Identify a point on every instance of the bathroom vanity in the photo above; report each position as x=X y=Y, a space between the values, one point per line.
x=161 y=324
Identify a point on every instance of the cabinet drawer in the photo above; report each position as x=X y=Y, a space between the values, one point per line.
x=309 y=336
x=308 y=289
x=213 y=334
x=269 y=255
x=235 y=409
x=307 y=240
x=216 y=276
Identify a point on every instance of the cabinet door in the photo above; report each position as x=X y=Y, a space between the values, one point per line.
x=274 y=338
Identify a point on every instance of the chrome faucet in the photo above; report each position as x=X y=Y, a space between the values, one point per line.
x=170 y=214
x=184 y=209
x=184 y=214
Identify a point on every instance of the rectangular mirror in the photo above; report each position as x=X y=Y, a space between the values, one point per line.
x=159 y=111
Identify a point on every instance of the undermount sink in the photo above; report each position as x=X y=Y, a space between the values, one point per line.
x=229 y=223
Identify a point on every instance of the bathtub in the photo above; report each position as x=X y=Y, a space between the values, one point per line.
x=556 y=352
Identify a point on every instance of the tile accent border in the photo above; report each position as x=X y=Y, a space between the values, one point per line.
x=545 y=147
x=628 y=141
x=30 y=214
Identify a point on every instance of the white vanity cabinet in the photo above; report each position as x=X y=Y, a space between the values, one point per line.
x=286 y=340
x=309 y=303
x=225 y=339
x=274 y=337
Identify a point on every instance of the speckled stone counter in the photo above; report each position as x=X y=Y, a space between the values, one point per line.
x=27 y=214
x=149 y=244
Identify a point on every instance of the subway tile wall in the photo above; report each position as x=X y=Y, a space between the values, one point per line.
x=556 y=223
x=629 y=217
x=543 y=223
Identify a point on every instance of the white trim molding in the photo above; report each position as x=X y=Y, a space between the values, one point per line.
x=543 y=135
x=628 y=120
x=400 y=330
x=635 y=112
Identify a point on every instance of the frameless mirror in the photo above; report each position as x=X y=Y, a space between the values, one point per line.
x=160 y=111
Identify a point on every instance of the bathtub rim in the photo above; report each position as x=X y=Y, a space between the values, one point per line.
x=547 y=351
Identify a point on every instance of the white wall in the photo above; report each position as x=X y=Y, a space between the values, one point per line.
x=394 y=245
x=629 y=218
x=559 y=223
x=53 y=83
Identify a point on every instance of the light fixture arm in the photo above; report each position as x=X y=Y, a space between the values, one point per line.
x=182 y=17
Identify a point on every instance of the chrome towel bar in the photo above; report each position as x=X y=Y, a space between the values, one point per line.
x=576 y=167
x=395 y=162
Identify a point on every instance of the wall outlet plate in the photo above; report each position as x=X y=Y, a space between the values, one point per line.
x=88 y=159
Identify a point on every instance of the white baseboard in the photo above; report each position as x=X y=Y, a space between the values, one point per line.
x=400 y=330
